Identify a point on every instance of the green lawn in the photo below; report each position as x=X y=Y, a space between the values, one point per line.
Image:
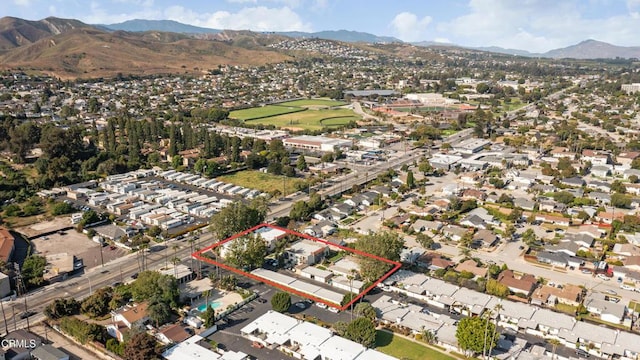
x=313 y=102
x=402 y=348
x=263 y=111
x=253 y=179
x=310 y=119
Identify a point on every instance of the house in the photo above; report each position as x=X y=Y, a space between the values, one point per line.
x=573 y=181
x=567 y=247
x=550 y=258
x=110 y=232
x=426 y=226
x=433 y=261
x=550 y=295
x=626 y=158
x=484 y=239
x=305 y=252
x=524 y=204
x=596 y=303
x=600 y=197
x=127 y=318
x=551 y=219
x=454 y=232
x=48 y=352
x=12 y=341
x=472 y=267
x=600 y=170
x=626 y=250
x=172 y=334
x=518 y=283
x=596 y=157
x=7 y=245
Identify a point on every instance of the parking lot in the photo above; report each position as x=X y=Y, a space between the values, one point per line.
x=77 y=244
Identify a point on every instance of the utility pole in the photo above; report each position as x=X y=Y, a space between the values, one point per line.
x=6 y=326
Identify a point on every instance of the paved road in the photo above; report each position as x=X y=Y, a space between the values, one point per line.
x=346 y=182
x=79 y=286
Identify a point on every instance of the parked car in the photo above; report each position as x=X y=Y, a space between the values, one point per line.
x=321 y=305
x=603 y=277
x=586 y=271
x=582 y=353
x=612 y=292
x=300 y=305
x=26 y=314
x=262 y=300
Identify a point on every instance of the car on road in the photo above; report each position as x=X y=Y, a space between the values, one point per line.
x=603 y=277
x=321 y=305
x=612 y=292
x=334 y=310
x=27 y=314
x=586 y=271
x=262 y=300
x=300 y=305
x=134 y=276
x=627 y=287
x=257 y=345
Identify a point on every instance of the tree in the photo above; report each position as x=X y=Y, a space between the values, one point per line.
x=62 y=307
x=238 y=217
x=209 y=317
x=281 y=301
x=141 y=346
x=385 y=244
x=620 y=201
x=493 y=287
x=153 y=285
x=618 y=187
x=301 y=163
x=159 y=312
x=425 y=240
x=247 y=252
x=363 y=331
x=300 y=211
x=472 y=332
x=365 y=310
x=61 y=208
x=98 y=303
x=410 y=180
x=33 y=270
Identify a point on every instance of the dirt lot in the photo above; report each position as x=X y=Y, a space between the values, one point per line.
x=45 y=226
x=74 y=243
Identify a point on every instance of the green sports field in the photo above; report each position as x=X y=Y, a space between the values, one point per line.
x=263 y=111
x=313 y=102
x=310 y=119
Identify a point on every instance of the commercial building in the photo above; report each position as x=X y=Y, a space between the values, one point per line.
x=317 y=143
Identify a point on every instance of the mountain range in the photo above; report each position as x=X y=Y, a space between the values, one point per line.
x=71 y=48
x=588 y=49
x=174 y=26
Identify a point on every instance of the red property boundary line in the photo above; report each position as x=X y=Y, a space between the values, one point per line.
x=198 y=255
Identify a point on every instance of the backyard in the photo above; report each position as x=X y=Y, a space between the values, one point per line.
x=402 y=348
x=253 y=179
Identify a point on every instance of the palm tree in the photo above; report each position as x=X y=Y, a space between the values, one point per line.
x=191 y=241
x=554 y=345
x=175 y=261
x=351 y=276
x=197 y=248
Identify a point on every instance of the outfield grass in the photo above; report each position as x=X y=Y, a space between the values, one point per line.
x=263 y=111
x=253 y=179
x=313 y=102
x=402 y=348
x=310 y=119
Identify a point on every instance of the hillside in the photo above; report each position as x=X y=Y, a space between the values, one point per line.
x=593 y=49
x=89 y=52
x=16 y=32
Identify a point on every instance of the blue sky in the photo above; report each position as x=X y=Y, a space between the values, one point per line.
x=534 y=25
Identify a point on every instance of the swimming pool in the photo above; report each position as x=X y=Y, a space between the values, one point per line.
x=214 y=305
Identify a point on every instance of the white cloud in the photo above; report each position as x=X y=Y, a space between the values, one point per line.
x=259 y=18
x=538 y=25
x=22 y=2
x=242 y=1
x=408 y=27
